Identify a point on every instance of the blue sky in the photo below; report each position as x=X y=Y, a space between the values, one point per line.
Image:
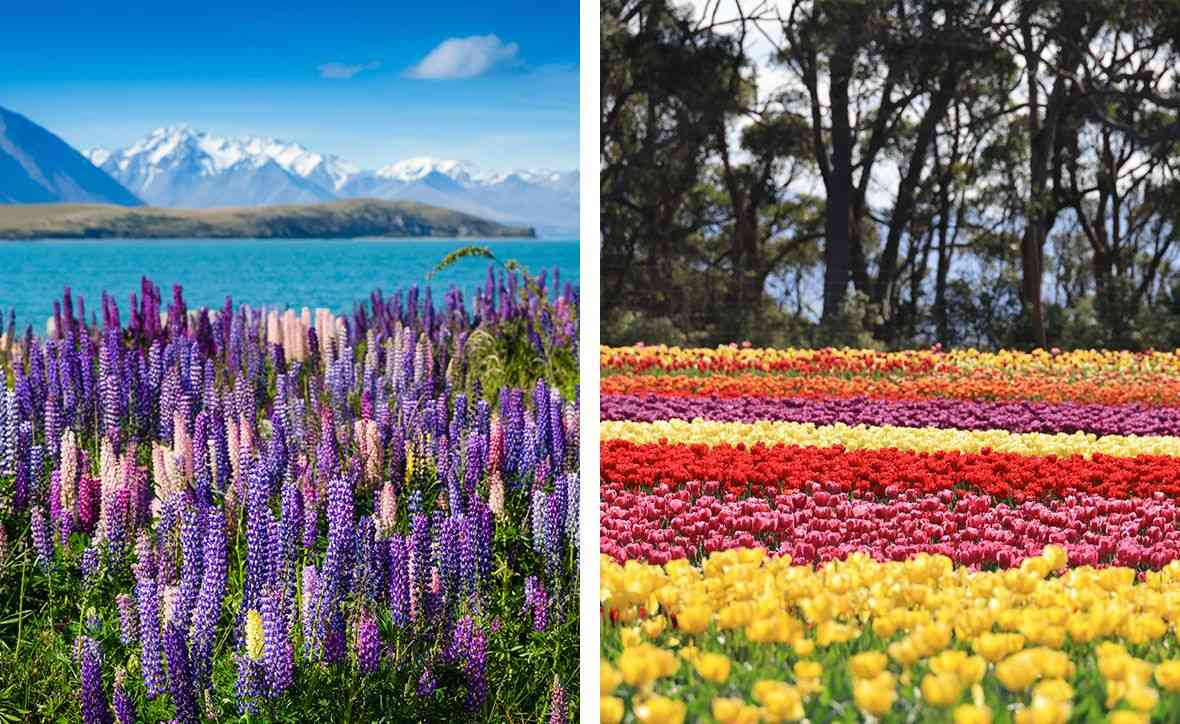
x=495 y=83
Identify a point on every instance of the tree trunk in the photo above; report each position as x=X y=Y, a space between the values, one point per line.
x=838 y=209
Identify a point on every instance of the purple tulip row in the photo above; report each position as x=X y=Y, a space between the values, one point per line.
x=370 y=476
x=942 y=413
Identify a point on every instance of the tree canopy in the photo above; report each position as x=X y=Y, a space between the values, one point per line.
x=892 y=172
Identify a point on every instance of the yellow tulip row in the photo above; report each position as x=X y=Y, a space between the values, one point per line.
x=948 y=633
x=866 y=437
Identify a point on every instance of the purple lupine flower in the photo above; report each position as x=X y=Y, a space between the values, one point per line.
x=277 y=649
x=202 y=478
x=94 y=700
x=89 y=564
x=23 y=472
x=540 y=606
x=399 y=580
x=148 y=598
x=469 y=560
x=419 y=564
x=191 y=530
x=474 y=465
x=251 y=683
x=42 y=538
x=537 y=519
x=571 y=509
x=368 y=642
x=450 y=537
x=36 y=471
x=334 y=576
x=89 y=501
x=258 y=544
x=310 y=510
x=372 y=560
x=128 y=619
x=207 y=610
x=474 y=671
x=180 y=674
x=124 y=707
x=485 y=527
x=309 y=601
x=327 y=456
x=556 y=432
x=427 y=684
x=290 y=524
x=557 y=705
x=166 y=549
x=554 y=526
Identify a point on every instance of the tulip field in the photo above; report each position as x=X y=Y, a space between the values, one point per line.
x=258 y=514
x=924 y=536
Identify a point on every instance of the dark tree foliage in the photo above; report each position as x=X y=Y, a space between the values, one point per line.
x=892 y=172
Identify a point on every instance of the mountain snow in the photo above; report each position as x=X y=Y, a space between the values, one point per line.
x=182 y=167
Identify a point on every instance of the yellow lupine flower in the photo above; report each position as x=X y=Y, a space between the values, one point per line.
x=254 y=638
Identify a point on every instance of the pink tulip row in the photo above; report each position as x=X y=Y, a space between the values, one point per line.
x=822 y=523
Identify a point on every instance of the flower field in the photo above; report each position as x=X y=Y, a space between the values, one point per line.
x=260 y=514
x=845 y=535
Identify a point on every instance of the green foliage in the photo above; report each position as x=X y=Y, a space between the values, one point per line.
x=466 y=252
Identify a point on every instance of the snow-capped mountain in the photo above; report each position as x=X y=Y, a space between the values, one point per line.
x=178 y=166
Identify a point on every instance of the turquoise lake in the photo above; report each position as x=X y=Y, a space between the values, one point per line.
x=330 y=273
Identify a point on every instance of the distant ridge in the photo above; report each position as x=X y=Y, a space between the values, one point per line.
x=37 y=167
x=182 y=167
x=336 y=220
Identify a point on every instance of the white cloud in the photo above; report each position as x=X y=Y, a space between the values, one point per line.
x=464 y=58
x=342 y=71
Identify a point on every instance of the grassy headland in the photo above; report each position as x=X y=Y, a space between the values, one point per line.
x=341 y=220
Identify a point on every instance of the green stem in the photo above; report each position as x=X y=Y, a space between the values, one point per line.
x=20 y=606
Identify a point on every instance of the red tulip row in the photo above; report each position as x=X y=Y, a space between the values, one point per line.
x=767 y=471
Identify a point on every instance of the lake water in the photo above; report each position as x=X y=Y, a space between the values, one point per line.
x=331 y=273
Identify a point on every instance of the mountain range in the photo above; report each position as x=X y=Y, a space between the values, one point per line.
x=181 y=167
x=37 y=167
